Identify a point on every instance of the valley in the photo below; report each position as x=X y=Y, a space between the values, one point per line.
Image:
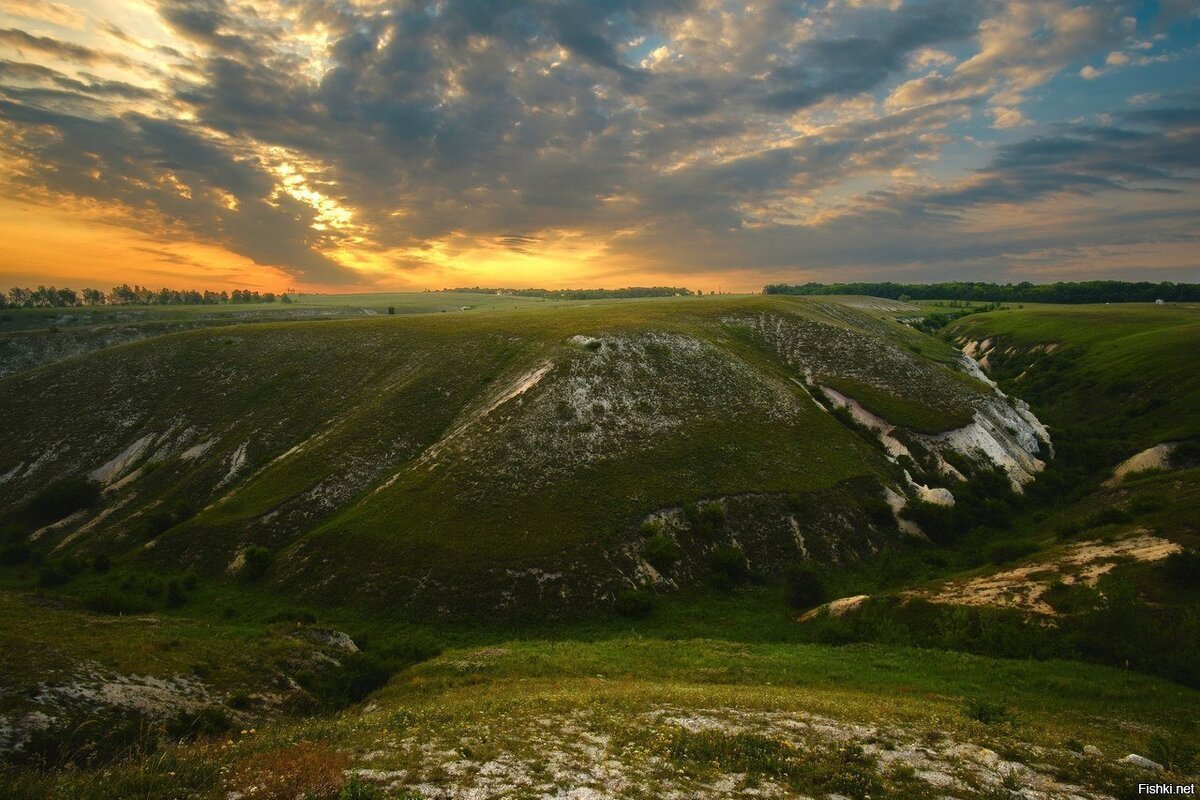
x=497 y=546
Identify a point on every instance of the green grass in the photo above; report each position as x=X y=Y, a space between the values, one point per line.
x=553 y=692
x=1124 y=370
x=334 y=417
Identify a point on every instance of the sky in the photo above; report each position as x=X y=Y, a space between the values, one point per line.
x=354 y=145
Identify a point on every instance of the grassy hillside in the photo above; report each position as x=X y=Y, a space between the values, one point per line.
x=531 y=454
x=562 y=549
x=1124 y=370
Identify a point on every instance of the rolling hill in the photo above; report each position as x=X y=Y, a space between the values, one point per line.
x=522 y=459
x=577 y=549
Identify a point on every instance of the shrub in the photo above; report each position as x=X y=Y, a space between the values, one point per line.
x=1004 y=552
x=662 y=552
x=729 y=567
x=203 y=722
x=240 y=700
x=50 y=576
x=175 y=596
x=634 y=604
x=878 y=512
x=1107 y=516
x=109 y=601
x=707 y=520
x=62 y=498
x=805 y=585
x=86 y=740
x=1183 y=567
x=101 y=563
x=1186 y=454
x=650 y=527
x=987 y=712
x=257 y=559
x=936 y=521
x=1071 y=598
x=14 y=554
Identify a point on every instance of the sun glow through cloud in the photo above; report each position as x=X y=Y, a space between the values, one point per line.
x=398 y=145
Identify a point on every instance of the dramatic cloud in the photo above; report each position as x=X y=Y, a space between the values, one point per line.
x=601 y=141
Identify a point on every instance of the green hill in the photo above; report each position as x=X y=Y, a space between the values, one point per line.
x=524 y=459
x=573 y=548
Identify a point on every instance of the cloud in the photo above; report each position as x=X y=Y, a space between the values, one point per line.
x=309 y=134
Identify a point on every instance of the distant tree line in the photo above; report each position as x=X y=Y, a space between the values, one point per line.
x=126 y=295
x=583 y=294
x=1025 y=292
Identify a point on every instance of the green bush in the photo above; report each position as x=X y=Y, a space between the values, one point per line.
x=728 y=567
x=256 y=561
x=175 y=596
x=51 y=575
x=634 y=603
x=101 y=563
x=1107 y=516
x=15 y=554
x=203 y=722
x=110 y=601
x=61 y=498
x=1005 y=552
x=987 y=712
x=662 y=552
x=707 y=520
x=1183 y=567
x=805 y=585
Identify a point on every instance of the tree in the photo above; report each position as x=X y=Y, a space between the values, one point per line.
x=93 y=297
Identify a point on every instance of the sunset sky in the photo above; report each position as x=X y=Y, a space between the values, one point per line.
x=342 y=145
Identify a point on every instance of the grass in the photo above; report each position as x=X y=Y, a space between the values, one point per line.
x=332 y=418
x=690 y=689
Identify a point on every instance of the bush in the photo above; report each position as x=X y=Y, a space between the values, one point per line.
x=109 y=601
x=1004 y=552
x=1186 y=454
x=61 y=498
x=634 y=604
x=50 y=576
x=240 y=700
x=707 y=520
x=650 y=527
x=87 y=741
x=175 y=596
x=101 y=563
x=256 y=561
x=988 y=713
x=729 y=567
x=1183 y=567
x=805 y=585
x=14 y=554
x=204 y=722
x=1107 y=516
x=662 y=552
x=878 y=512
